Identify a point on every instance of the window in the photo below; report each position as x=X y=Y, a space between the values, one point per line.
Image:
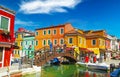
x=55 y=42
x=32 y=42
x=36 y=43
x=22 y=35
x=62 y=41
x=103 y=43
x=54 y=32
x=49 y=32
x=18 y=52
x=36 y=33
x=44 y=32
x=48 y=41
x=80 y=40
x=4 y=23
x=21 y=43
x=1 y=53
x=44 y=42
x=16 y=35
x=61 y=31
x=93 y=42
x=70 y=40
x=26 y=42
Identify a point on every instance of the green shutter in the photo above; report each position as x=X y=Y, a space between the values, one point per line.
x=4 y=23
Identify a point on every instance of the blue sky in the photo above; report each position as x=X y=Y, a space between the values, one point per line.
x=82 y=14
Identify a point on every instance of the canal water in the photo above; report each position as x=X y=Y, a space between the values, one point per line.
x=71 y=71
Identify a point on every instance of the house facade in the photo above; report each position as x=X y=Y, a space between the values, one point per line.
x=75 y=38
x=21 y=37
x=114 y=44
x=28 y=45
x=95 y=41
x=7 y=38
x=53 y=34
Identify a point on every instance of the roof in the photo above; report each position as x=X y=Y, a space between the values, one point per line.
x=73 y=32
x=61 y=25
x=6 y=9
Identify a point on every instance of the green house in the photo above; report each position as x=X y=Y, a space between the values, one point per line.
x=28 y=45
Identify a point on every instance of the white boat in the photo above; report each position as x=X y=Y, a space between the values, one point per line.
x=96 y=66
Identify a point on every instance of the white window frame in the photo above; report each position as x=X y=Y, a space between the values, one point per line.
x=36 y=43
x=8 y=22
x=54 y=33
x=44 y=31
x=36 y=33
x=60 y=41
x=56 y=41
x=48 y=31
x=92 y=42
x=69 y=40
x=43 y=42
x=47 y=41
x=61 y=29
x=80 y=40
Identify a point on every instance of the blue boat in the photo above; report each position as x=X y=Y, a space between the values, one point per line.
x=55 y=61
x=115 y=73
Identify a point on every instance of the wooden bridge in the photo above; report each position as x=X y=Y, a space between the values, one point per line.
x=44 y=55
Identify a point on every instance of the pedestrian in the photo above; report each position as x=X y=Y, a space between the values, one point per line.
x=94 y=58
x=86 y=58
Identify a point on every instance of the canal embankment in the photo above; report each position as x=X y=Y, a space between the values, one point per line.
x=15 y=71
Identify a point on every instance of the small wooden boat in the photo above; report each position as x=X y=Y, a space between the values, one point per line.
x=96 y=66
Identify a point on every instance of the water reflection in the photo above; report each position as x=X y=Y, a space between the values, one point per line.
x=71 y=71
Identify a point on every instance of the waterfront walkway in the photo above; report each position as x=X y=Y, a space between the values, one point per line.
x=113 y=61
x=14 y=69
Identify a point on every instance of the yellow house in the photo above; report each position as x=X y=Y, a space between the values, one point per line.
x=95 y=40
x=18 y=42
x=75 y=38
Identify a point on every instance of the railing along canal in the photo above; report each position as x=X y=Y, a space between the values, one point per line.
x=44 y=55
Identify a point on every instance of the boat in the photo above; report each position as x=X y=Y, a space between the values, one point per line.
x=115 y=73
x=96 y=66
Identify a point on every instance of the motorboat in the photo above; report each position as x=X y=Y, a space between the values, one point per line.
x=96 y=66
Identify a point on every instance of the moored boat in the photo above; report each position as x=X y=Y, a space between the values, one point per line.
x=96 y=66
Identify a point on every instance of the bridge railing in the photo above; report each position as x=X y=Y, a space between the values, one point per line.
x=42 y=56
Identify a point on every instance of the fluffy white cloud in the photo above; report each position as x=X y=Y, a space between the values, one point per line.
x=47 y=6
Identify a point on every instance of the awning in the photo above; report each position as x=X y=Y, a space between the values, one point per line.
x=15 y=47
x=103 y=50
x=5 y=44
x=85 y=49
x=95 y=50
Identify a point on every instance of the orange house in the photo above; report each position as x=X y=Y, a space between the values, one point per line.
x=53 y=34
x=95 y=40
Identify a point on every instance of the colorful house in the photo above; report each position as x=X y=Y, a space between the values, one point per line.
x=95 y=41
x=114 y=45
x=54 y=34
x=18 y=53
x=7 y=38
x=75 y=38
x=28 y=45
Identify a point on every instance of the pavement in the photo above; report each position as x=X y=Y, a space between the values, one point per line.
x=14 y=68
x=116 y=62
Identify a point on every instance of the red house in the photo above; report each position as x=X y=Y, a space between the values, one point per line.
x=6 y=36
